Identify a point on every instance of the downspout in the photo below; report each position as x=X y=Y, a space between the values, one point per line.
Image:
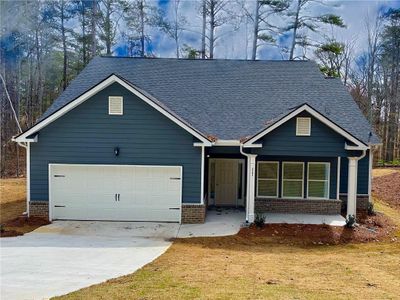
x=354 y=197
x=250 y=184
x=28 y=179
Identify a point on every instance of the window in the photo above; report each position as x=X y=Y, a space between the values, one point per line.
x=115 y=105
x=318 y=180
x=267 y=179
x=292 y=180
x=303 y=126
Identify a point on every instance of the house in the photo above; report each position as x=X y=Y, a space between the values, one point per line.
x=163 y=139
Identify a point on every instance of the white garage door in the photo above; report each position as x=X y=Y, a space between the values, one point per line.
x=115 y=193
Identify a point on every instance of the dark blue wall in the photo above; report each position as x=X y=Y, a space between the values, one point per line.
x=88 y=135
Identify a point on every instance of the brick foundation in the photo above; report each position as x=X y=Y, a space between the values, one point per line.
x=362 y=203
x=39 y=209
x=298 y=206
x=193 y=213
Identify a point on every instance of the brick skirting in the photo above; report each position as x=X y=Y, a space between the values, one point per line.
x=362 y=203
x=298 y=206
x=193 y=213
x=39 y=209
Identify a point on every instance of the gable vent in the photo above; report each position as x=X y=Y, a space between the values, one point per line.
x=303 y=127
x=115 y=105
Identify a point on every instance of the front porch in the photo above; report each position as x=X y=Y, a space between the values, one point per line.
x=308 y=190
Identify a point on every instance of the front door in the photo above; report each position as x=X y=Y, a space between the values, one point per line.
x=226 y=182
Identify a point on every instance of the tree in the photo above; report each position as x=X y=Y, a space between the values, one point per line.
x=175 y=25
x=111 y=12
x=139 y=17
x=302 y=20
x=264 y=30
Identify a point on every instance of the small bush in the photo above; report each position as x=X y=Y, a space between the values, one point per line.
x=371 y=209
x=259 y=220
x=351 y=221
x=2 y=228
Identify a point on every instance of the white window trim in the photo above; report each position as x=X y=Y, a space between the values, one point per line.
x=297 y=126
x=109 y=106
x=277 y=179
x=317 y=180
x=283 y=180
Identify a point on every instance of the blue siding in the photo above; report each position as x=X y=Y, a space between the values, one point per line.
x=88 y=135
x=362 y=175
x=332 y=175
x=283 y=141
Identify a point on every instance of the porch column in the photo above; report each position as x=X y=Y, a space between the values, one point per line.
x=251 y=170
x=352 y=187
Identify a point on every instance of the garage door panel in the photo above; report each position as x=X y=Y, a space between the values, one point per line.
x=90 y=192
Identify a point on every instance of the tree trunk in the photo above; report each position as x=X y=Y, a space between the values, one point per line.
x=212 y=28
x=93 y=33
x=64 y=43
x=296 y=24
x=255 y=32
x=107 y=29
x=203 y=34
x=141 y=8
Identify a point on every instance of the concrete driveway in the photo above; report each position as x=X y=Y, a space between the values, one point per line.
x=66 y=256
x=69 y=255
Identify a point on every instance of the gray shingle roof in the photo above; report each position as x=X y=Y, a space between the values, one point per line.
x=228 y=99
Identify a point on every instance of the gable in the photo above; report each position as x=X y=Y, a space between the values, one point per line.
x=297 y=111
x=323 y=140
x=143 y=96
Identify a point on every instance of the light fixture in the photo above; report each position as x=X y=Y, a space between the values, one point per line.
x=116 y=151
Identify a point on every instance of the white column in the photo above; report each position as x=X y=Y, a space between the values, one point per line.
x=202 y=176
x=352 y=187
x=28 y=177
x=251 y=170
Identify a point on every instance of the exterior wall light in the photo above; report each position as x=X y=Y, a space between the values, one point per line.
x=116 y=151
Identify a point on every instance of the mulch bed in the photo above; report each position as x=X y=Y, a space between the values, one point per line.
x=387 y=188
x=18 y=225
x=370 y=229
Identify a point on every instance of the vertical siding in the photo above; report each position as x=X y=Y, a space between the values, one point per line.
x=88 y=135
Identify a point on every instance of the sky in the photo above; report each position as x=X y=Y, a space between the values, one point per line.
x=237 y=43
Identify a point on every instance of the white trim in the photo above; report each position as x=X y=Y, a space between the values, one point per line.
x=316 y=115
x=202 y=176
x=102 y=85
x=108 y=165
x=339 y=159
x=302 y=181
x=258 y=178
x=350 y=147
x=28 y=177
x=120 y=98
x=297 y=126
x=371 y=157
x=325 y=180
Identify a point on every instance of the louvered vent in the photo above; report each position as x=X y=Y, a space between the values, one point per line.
x=303 y=127
x=115 y=105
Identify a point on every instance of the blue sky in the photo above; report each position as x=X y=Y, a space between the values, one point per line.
x=356 y=13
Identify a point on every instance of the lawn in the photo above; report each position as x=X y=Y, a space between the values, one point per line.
x=239 y=267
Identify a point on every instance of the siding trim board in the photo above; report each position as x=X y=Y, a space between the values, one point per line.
x=101 y=86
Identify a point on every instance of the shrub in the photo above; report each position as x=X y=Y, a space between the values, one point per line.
x=351 y=221
x=371 y=210
x=259 y=220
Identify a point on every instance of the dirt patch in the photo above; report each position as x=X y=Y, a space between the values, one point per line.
x=387 y=188
x=370 y=229
x=21 y=225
